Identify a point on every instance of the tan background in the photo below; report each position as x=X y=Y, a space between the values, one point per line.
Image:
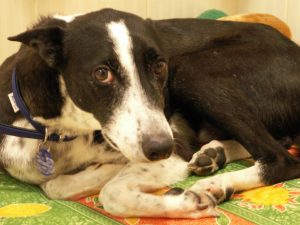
x=17 y=15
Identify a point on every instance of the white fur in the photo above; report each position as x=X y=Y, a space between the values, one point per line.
x=68 y=18
x=238 y=180
x=136 y=116
x=81 y=151
x=234 y=151
x=128 y=194
x=21 y=157
x=13 y=144
x=81 y=184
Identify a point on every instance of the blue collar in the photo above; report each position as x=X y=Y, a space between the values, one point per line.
x=40 y=131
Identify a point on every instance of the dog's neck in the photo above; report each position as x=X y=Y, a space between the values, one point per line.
x=39 y=84
x=210 y=32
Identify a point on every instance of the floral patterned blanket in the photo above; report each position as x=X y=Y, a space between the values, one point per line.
x=23 y=204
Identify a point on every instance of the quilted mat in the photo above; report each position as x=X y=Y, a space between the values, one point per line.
x=23 y=204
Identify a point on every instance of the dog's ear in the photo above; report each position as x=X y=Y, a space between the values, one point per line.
x=48 y=42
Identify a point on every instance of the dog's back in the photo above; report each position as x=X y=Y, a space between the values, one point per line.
x=260 y=67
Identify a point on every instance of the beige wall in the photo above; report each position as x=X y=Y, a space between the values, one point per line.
x=17 y=15
x=155 y=9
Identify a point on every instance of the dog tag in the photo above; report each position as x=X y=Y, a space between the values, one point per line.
x=45 y=162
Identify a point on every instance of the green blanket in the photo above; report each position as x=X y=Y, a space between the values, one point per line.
x=23 y=204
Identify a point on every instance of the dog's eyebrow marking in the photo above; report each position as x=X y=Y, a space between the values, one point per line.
x=122 y=45
x=120 y=36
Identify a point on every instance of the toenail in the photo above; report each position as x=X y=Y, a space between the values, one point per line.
x=174 y=191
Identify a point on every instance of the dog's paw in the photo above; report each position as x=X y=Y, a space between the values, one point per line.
x=214 y=188
x=189 y=204
x=209 y=159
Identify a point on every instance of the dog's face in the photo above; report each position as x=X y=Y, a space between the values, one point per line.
x=113 y=67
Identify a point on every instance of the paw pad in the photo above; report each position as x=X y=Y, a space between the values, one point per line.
x=204 y=160
x=208 y=161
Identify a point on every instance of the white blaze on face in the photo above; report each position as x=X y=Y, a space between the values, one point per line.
x=135 y=117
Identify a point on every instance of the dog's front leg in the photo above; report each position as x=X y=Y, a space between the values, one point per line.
x=81 y=184
x=129 y=193
x=222 y=186
x=215 y=155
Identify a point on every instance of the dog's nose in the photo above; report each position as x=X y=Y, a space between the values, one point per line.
x=157 y=148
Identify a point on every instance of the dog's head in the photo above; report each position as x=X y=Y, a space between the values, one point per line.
x=113 y=66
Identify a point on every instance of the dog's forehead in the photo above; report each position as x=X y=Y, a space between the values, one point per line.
x=97 y=35
x=95 y=25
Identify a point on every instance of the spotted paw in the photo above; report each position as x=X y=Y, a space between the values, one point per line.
x=209 y=159
x=189 y=204
x=214 y=189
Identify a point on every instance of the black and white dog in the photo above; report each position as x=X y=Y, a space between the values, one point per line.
x=146 y=85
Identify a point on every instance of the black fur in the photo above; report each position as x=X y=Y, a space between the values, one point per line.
x=243 y=79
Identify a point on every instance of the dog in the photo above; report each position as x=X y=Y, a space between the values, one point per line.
x=113 y=102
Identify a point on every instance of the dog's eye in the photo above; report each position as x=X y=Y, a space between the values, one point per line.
x=103 y=74
x=160 y=67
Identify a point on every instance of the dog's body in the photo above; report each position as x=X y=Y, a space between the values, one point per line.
x=107 y=70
